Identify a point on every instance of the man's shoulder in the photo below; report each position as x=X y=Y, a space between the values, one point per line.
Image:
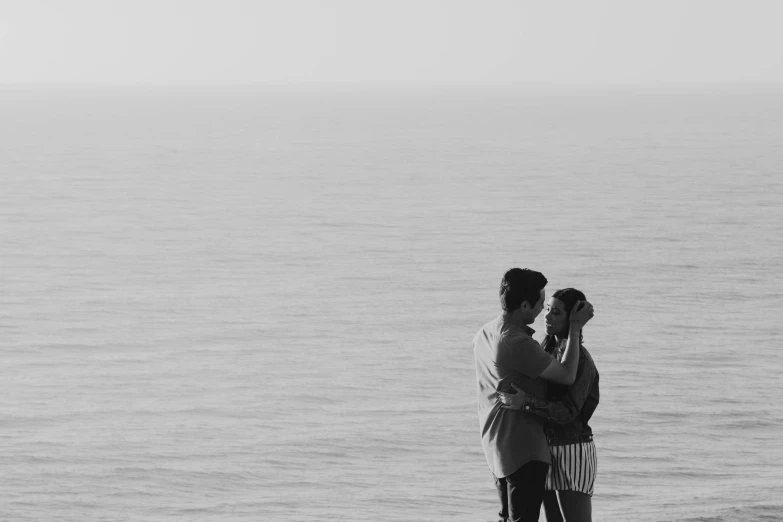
x=493 y=327
x=516 y=344
x=517 y=335
x=506 y=335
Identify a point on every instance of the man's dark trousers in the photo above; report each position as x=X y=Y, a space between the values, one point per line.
x=522 y=492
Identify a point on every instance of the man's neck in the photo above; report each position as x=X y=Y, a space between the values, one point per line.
x=517 y=318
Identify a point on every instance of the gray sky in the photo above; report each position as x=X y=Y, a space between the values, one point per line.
x=401 y=41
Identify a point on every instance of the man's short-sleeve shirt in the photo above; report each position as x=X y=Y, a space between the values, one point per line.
x=507 y=353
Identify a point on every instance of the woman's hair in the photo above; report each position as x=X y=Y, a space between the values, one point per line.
x=569 y=297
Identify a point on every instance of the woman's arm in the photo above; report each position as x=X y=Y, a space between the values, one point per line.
x=565 y=372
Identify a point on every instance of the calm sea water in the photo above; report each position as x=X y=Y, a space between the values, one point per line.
x=248 y=305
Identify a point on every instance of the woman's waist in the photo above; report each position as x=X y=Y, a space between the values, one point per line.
x=572 y=433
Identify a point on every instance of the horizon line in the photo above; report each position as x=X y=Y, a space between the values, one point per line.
x=386 y=85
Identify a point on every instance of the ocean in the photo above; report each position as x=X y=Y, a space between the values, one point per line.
x=256 y=304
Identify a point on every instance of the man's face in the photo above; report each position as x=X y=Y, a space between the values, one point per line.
x=536 y=309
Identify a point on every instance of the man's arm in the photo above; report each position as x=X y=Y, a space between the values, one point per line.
x=561 y=411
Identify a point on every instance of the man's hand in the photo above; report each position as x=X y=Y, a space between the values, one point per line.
x=512 y=401
x=581 y=313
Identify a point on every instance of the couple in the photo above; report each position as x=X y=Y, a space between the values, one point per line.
x=534 y=402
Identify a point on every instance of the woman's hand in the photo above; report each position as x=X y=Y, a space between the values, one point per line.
x=581 y=313
x=512 y=401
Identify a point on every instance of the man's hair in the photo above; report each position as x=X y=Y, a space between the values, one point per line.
x=519 y=285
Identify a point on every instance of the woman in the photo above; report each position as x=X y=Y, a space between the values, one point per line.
x=571 y=475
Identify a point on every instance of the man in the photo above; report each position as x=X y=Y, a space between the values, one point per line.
x=505 y=353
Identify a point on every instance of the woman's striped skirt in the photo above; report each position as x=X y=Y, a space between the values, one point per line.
x=573 y=468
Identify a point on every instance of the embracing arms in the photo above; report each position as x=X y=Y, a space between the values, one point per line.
x=560 y=411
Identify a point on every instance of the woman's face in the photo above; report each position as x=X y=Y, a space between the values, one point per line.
x=556 y=317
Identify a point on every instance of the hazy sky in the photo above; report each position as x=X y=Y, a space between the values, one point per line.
x=492 y=41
